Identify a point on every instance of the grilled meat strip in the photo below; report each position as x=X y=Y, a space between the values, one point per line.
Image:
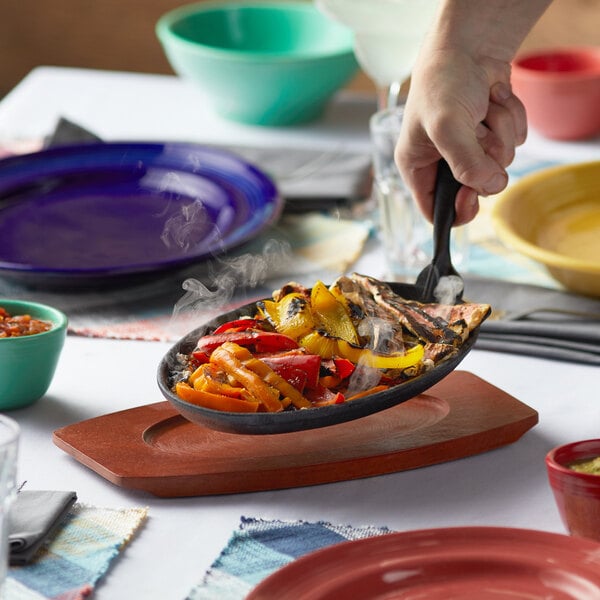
x=417 y=318
x=386 y=322
x=414 y=318
x=290 y=288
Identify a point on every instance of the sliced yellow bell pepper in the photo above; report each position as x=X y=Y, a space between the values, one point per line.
x=332 y=314
x=366 y=357
x=290 y=316
x=317 y=342
x=326 y=346
x=267 y=309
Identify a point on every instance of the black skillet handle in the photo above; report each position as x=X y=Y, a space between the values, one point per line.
x=444 y=213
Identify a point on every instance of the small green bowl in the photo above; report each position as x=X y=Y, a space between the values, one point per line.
x=28 y=363
x=261 y=63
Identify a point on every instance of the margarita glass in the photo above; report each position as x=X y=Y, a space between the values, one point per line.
x=387 y=37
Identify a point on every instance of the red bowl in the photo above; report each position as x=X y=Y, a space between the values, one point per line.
x=577 y=494
x=560 y=89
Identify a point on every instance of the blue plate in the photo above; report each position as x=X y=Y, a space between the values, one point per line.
x=91 y=212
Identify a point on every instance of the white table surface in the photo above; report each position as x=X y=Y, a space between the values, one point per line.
x=182 y=537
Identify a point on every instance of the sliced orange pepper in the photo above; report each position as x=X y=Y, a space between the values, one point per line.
x=330 y=381
x=225 y=357
x=213 y=401
x=212 y=380
x=373 y=390
x=275 y=380
x=214 y=387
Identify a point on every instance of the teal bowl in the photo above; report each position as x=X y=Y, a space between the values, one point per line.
x=28 y=362
x=260 y=63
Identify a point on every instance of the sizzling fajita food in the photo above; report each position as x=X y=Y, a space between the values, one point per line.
x=306 y=348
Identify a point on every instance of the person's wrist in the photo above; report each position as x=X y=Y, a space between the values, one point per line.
x=494 y=29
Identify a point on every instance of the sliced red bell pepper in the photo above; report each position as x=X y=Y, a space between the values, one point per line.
x=200 y=358
x=322 y=396
x=259 y=341
x=337 y=367
x=292 y=375
x=343 y=367
x=286 y=365
x=240 y=325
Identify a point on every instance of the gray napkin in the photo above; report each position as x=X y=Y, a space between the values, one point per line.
x=537 y=321
x=33 y=518
x=309 y=179
x=66 y=132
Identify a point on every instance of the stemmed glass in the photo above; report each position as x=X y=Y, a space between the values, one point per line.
x=387 y=37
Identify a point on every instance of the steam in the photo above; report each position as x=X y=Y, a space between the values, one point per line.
x=380 y=333
x=449 y=288
x=184 y=229
x=227 y=277
x=363 y=378
x=188 y=202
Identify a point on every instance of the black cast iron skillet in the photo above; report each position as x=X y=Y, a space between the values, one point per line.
x=297 y=420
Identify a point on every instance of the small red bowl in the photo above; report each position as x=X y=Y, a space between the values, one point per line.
x=577 y=494
x=560 y=89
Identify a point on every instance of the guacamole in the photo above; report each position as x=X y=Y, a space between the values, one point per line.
x=590 y=465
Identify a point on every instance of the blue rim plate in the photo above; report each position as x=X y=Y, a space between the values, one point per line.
x=97 y=211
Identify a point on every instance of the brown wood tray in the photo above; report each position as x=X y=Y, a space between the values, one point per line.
x=153 y=448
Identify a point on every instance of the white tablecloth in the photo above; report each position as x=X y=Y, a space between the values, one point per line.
x=506 y=487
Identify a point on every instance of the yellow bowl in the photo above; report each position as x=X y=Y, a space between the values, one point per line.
x=553 y=217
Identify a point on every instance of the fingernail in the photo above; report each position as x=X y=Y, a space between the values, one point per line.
x=502 y=91
x=481 y=131
x=473 y=201
x=495 y=184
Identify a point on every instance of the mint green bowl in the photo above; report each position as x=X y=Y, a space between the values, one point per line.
x=28 y=363
x=261 y=63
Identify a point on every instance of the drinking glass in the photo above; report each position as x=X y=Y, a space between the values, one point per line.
x=406 y=236
x=9 y=438
x=387 y=38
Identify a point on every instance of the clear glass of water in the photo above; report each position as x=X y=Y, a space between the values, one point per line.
x=406 y=236
x=9 y=441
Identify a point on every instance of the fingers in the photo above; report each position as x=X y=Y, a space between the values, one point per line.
x=473 y=158
x=422 y=182
x=478 y=157
x=501 y=95
x=417 y=157
x=478 y=140
x=466 y=153
x=505 y=125
x=466 y=205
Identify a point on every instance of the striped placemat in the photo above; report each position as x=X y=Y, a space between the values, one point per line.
x=80 y=553
x=260 y=547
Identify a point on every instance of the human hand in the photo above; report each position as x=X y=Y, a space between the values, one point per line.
x=466 y=112
x=460 y=104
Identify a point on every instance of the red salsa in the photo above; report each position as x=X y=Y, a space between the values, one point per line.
x=20 y=325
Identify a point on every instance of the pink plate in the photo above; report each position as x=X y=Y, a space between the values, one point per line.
x=482 y=563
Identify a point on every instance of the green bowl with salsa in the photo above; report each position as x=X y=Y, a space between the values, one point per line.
x=32 y=336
